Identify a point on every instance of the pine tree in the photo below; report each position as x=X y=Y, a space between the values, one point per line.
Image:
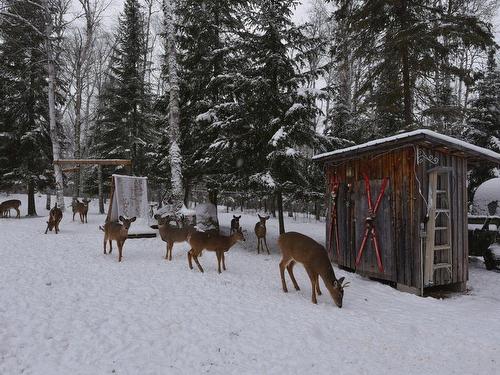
x=483 y=124
x=123 y=127
x=25 y=150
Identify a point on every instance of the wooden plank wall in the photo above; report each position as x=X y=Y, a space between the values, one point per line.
x=398 y=165
x=458 y=212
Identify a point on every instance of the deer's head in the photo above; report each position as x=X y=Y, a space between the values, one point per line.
x=263 y=219
x=239 y=235
x=337 y=291
x=126 y=222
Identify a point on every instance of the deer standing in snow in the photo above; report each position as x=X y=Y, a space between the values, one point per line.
x=6 y=206
x=260 y=232
x=82 y=208
x=200 y=241
x=235 y=224
x=114 y=231
x=55 y=217
x=296 y=247
x=172 y=235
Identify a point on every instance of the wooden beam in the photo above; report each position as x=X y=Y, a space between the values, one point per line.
x=93 y=161
x=71 y=170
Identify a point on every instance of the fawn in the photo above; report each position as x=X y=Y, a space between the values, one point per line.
x=235 y=224
x=260 y=232
x=296 y=247
x=113 y=230
x=55 y=217
x=82 y=208
x=171 y=235
x=200 y=241
x=6 y=206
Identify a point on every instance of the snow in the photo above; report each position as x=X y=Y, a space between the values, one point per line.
x=280 y=134
x=265 y=179
x=206 y=216
x=294 y=108
x=495 y=249
x=487 y=192
x=438 y=137
x=491 y=227
x=66 y=308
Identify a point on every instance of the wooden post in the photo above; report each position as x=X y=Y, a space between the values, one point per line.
x=100 y=189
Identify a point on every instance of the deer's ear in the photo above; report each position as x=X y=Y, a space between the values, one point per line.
x=239 y=217
x=234 y=217
x=341 y=280
x=121 y=218
x=133 y=219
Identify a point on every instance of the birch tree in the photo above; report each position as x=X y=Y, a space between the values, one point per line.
x=169 y=10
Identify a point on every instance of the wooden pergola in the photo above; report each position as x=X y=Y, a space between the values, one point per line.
x=74 y=166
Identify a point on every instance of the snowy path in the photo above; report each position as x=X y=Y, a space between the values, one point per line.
x=66 y=308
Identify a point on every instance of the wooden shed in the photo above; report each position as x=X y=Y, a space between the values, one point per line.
x=412 y=231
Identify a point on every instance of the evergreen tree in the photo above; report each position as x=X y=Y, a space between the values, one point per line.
x=484 y=120
x=25 y=151
x=123 y=127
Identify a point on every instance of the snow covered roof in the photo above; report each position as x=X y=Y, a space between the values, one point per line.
x=420 y=136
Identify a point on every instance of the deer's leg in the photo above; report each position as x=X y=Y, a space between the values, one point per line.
x=289 y=268
x=111 y=245
x=218 y=253
x=18 y=213
x=74 y=212
x=265 y=241
x=190 y=256
x=47 y=228
x=258 y=245
x=313 y=277
x=166 y=253
x=195 y=256
x=318 y=291
x=120 y=247
x=283 y=264
x=171 y=245
x=104 y=243
x=56 y=226
x=223 y=261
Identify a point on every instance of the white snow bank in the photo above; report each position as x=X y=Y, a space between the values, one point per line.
x=486 y=194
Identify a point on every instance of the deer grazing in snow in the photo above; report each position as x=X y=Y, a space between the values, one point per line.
x=296 y=247
x=260 y=232
x=235 y=224
x=82 y=208
x=55 y=217
x=172 y=235
x=200 y=241
x=114 y=231
x=6 y=206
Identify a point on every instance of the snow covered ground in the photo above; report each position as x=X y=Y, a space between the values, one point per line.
x=66 y=308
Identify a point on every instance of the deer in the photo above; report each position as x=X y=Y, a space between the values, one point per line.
x=114 y=231
x=6 y=206
x=296 y=247
x=218 y=243
x=172 y=235
x=55 y=217
x=235 y=224
x=82 y=208
x=260 y=232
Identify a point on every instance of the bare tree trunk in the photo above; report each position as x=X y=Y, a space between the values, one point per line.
x=48 y=202
x=31 y=198
x=169 y=9
x=54 y=136
x=281 y=221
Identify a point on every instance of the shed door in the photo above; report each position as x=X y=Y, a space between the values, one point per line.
x=383 y=228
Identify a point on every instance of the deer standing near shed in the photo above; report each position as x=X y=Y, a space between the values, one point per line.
x=296 y=247
x=114 y=231
x=260 y=232
x=172 y=235
x=55 y=217
x=200 y=241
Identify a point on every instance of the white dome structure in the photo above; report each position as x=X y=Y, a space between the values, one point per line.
x=487 y=198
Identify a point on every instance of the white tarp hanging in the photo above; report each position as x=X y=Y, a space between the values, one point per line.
x=130 y=198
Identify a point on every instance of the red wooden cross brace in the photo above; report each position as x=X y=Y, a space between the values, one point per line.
x=370 y=222
x=335 y=226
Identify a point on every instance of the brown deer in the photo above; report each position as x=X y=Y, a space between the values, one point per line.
x=296 y=247
x=260 y=232
x=55 y=217
x=6 y=206
x=200 y=241
x=114 y=231
x=172 y=235
x=235 y=224
x=82 y=208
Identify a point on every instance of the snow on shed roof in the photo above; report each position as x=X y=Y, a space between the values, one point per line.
x=416 y=137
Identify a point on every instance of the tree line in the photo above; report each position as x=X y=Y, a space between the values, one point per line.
x=232 y=95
